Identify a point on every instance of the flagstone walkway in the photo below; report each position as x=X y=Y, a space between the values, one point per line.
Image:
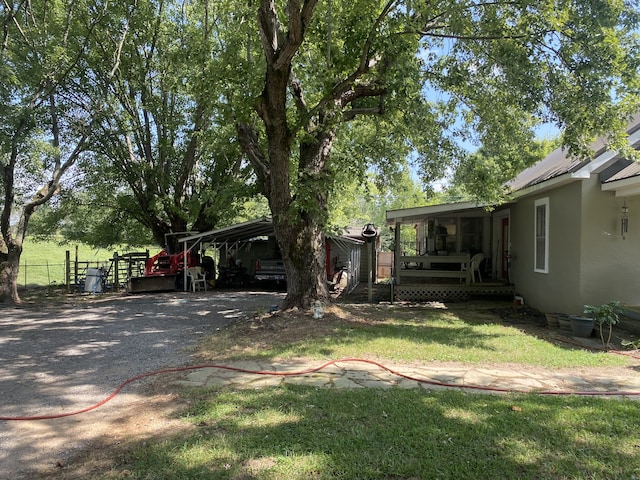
x=359 y=373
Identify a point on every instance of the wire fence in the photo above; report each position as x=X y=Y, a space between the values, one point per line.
x=80 y=276
x=72 y=274
x=49 y=274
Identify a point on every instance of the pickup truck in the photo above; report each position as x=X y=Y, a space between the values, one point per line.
x=270 y=270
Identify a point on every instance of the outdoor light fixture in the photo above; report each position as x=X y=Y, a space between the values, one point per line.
x=624 y=220
x=369 y=232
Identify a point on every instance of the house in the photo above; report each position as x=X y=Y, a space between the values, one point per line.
x=569 y=236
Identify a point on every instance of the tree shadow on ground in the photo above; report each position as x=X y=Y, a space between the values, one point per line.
x=302 y=432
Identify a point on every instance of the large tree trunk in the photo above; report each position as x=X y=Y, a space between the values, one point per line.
x=297 y=217
x=9 y=265
x=300 y=214
x=302 y=250
x=13 y=242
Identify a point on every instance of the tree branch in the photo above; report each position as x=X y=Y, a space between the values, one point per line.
x=269 y=26
x=280 y=48
x=298 y=96
x=343 y=87
x=471 y=37
x=248 y=139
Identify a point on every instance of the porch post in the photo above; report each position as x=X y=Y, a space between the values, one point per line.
x=397 y=253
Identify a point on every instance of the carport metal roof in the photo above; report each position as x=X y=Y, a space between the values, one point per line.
x=234 y=233
x=245 y=231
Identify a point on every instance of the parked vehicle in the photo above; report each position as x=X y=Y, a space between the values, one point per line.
x=270 y=270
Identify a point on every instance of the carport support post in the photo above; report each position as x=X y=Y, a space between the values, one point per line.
x=370 y=274
x=370 y=233
x=67 y=270
x=184 y=270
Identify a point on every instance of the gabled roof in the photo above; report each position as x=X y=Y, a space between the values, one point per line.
x=558 y=168
x=624 y=182
x=554 y=165
x=631 y=170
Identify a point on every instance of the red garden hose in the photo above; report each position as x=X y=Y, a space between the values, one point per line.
x=308 y=371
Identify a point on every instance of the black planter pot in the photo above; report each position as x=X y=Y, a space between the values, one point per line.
x=581 y=326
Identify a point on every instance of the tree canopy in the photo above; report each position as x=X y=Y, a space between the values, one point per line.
x=396 y=76
x=46 y=112
x=193 y=104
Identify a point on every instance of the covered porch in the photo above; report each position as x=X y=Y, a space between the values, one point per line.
x=450 y=251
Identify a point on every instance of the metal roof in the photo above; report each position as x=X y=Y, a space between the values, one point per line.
x=261 y=227
x=631 y=170
x=559 y=163
x=235 y=233
x=555 y=164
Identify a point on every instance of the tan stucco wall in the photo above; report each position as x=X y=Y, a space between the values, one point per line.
x=559 y=289
x=589 y=261
x=610 y=264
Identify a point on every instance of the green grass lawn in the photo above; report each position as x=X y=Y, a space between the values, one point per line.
x=295 y=432
x=299 y=433
x=423 y=334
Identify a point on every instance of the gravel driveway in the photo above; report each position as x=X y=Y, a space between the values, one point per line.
x=68 y=357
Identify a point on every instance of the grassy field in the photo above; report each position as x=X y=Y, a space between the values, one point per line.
x=298 y=432
x=43 y=263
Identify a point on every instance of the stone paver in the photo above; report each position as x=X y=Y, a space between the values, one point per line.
x=364 y=374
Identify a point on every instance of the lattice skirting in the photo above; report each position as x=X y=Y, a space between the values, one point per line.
x=418 y=293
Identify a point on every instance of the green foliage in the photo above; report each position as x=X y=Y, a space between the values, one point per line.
x=355 y=202
x=367 y=87
x=163 y=144
x=606 y=314
x=485 y=173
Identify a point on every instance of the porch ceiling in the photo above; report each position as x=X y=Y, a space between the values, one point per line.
x=416 y=214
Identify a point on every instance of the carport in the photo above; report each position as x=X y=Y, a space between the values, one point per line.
x=342 y=253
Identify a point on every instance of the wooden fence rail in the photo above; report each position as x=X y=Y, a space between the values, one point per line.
x=73 y=273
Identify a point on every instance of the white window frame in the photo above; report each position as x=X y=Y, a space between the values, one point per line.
x=539 y=236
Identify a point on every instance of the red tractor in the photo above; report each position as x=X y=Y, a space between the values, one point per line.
x=163 y=271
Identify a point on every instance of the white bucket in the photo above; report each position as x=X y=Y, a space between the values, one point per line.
x=93 y=281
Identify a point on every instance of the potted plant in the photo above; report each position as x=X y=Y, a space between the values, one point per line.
x=581 y=325
x=605 y=315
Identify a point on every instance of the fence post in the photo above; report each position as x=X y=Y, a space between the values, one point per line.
x=75 y=269
x=67 y=270
x=116 y=274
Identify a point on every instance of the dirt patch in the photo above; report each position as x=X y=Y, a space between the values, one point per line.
x=103 y=442
x=90 y=444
